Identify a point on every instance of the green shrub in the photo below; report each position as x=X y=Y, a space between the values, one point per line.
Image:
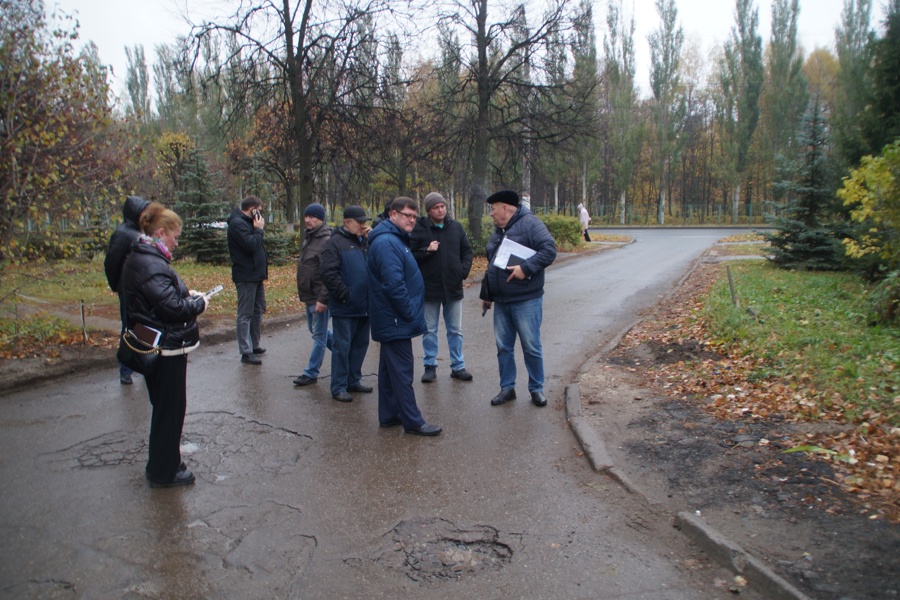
x=565 y=230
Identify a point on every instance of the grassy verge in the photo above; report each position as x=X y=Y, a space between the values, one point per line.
x=35 y=299
x=810 y=330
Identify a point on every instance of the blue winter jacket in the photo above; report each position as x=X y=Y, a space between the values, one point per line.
x=396 y=287
x=344 y=273
x=528 y=230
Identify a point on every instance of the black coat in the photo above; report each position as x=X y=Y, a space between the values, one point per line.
x=344 y=272
x=122 y=238
x=444 y=271
x=157 y=297
x=249 y=261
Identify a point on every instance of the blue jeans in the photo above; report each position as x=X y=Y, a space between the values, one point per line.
x=522 y=319
x=251 y=304
x=351 y=341
x=123 y=370
x=453 y=321
x=317 y=323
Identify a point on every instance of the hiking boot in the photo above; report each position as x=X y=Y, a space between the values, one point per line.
x=430 y=374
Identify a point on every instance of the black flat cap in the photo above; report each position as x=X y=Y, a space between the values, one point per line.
x=505 y=196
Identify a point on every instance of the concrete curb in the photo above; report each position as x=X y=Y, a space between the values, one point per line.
x=725 y=552
x=728 y=554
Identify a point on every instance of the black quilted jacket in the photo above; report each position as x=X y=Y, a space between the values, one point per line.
x=156 y=296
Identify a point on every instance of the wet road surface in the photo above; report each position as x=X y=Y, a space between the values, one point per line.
x=300 y=496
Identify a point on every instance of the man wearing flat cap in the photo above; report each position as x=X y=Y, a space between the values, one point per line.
x=516 y=293
x=444 y=255
x=344 y=273
x=312 y=291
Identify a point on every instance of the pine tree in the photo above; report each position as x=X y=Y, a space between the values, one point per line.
x=806 y=236
x=201 y=208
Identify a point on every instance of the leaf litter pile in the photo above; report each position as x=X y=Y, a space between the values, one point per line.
x=864 y=453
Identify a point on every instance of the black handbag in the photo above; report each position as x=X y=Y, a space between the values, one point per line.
x=137 y=355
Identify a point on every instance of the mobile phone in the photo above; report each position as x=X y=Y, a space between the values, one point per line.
x=213 y=291
x=256 y=214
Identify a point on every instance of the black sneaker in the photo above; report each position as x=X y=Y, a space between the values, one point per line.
x=304 y=380
x=461 y=374
x=125 y=379
x=430 y=374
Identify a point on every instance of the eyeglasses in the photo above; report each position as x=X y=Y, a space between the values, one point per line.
x=408 y=215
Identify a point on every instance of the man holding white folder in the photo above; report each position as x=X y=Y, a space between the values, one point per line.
x=519 y=250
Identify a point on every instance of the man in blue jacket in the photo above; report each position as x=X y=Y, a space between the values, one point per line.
x=249 y=269
x=343 y=271
x=517 y=291
x=396 y=315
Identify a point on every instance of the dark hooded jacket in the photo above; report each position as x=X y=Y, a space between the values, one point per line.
x=396 y=288
x=157 y=297
x=345 y=274
x=310 y=287
x=122 y=238
x=528 y=230
x=444 y=271
x=249 y=261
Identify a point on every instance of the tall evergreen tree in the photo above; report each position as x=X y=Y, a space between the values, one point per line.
x=805 y=237
x=202 y=210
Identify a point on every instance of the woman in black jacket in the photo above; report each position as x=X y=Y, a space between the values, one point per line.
x=156 y=296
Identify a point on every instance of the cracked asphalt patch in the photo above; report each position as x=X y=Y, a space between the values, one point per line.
x=219 y=444
x=431 y=551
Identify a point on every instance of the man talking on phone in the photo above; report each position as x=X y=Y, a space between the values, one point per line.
x=249 y=270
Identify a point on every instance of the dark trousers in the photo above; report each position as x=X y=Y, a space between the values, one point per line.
x=123 y=370
x=396 y=398
x=168 y=395
x=251 y=304
x=349 y=344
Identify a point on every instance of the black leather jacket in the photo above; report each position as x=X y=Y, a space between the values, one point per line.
x=157 y=297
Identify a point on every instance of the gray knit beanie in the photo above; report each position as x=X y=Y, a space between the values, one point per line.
x=432 y=200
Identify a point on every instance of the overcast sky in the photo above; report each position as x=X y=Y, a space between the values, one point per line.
x=113 y=24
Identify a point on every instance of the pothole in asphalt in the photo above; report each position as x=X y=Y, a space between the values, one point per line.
x=228 y=445
x=435 y=550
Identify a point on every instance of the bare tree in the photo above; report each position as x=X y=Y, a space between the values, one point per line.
x=502 y=95
x=309 y=55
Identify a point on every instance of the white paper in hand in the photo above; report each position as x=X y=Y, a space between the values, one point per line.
x=511 y=252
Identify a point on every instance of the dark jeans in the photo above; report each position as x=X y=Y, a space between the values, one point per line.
x=349 y=345
x=168 y=395
x=123 y=370
x=251 y=304
x=396 y=398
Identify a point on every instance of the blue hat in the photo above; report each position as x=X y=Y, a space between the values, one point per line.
x=315 y=210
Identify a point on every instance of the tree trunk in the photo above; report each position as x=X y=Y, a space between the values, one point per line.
x=622 y=208
x=735 y=202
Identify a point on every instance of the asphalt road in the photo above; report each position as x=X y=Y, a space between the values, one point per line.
x=299 y=496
